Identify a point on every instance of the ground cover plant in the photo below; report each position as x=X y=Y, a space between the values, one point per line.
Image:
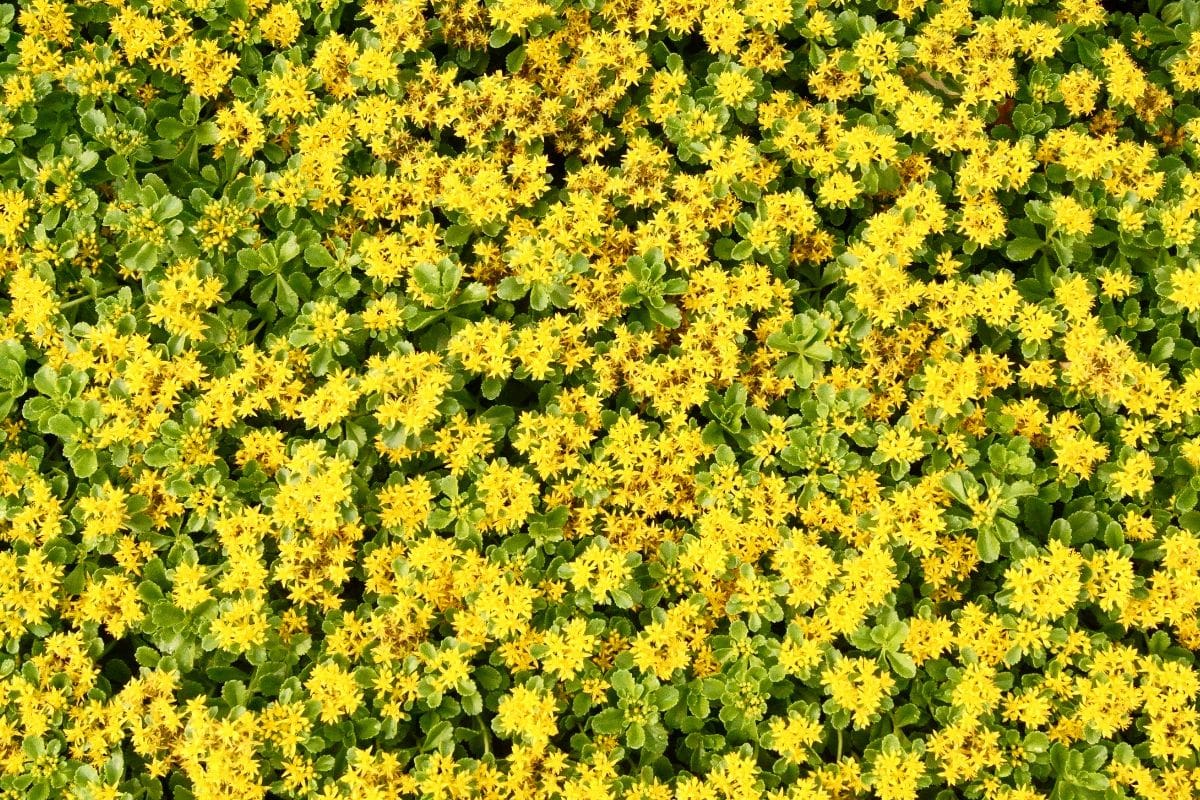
x=588 y=399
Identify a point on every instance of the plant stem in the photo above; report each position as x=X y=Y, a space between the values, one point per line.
x=485 y=735
x=74 y=301
x=937 y=85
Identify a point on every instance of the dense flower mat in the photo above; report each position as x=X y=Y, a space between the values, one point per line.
x=638 y=399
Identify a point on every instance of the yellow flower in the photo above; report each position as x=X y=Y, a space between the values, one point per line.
x=241 y=626
x=205 y=66
x=1071 y=217
x=839 y=189
x=857 y=685
x=793 y=735
x=189 y=590
x=733 y=87
x=508 y=494
x=1046 y=587
x=280 y=25
x=568 y=649
x=14 y=209
x=527 y=714
x=894 y=774
x=1079 y=89
x=335 y=689
x=1136 y=475
x=1185 y=288
x=983 y=220
x=901 y=444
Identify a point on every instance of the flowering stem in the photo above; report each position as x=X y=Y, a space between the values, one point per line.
x=485 y=736
x=93 y=297
x=937 y=85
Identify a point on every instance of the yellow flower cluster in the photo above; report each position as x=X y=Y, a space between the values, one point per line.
x=620 y=400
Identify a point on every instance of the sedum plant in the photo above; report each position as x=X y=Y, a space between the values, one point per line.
x=605 y=399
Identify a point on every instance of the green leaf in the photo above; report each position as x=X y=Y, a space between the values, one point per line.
x=45 y=380
x=318 y=257
x=190 y=110
x=207 y=133
x=741 y=251
x=667 y=315
x=488 y=677
x=472 y=704
x=953 y=483
x=1023 y=250
x=159 y=455
x=167 y=615
x=440 y=731
x=499 y=38
x=84 y=463
x=490 y=387
x=457 y=235
x=141 y=257
x=608 y=722
x=511 y=289
x=63 y=427
x=539 y=297
x=635 y=736
x=1036 y=742
x=907 y=714
x=515 y=59
x=427 y=279
x=150 y=591
x=623 y=682
x=93 y=122
x=1162 y=350
x=902 y=664
x=286 y=298
x=1085 y=525
x=147 y=656
x=33 y=746
x=989 y=546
